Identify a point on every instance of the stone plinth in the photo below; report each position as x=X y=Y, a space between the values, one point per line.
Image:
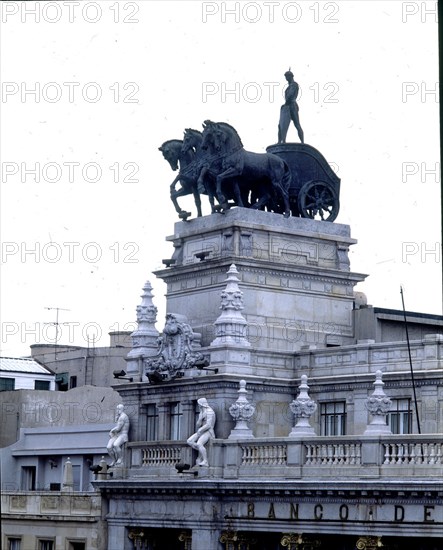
x=295 y=277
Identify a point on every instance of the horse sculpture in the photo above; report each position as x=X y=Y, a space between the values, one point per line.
x=203 y=160
x=261 y=178
x=188 y=174
x=209 y=162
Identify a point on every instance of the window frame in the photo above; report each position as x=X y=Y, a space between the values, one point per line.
x=6 y=382
x=28 y=473
x=151 y=422
x=175 y=421
x=333 y=423
x=14 y=539
x=397 y=416
x=46 y=383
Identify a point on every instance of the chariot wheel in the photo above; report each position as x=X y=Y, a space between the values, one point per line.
x=318 y=200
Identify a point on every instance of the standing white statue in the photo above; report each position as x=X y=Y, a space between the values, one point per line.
x=118 y=437
x=205 y=431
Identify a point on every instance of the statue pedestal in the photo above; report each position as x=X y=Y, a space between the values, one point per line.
x=294 y=274
x=118 y=472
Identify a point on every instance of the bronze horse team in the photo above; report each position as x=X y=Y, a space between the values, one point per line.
x=215 y=163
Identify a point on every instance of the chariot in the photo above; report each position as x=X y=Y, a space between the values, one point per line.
x=314 y=191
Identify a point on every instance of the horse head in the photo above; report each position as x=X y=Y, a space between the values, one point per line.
x=221 y=135
x=171 y=152
x=192 y=140
x=228 y=136
x=213 y=136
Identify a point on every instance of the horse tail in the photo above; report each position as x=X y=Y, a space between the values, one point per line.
x=284 y=182
x=287 y=178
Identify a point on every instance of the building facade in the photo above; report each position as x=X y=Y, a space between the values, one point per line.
x=317 y=438
x=17 y=373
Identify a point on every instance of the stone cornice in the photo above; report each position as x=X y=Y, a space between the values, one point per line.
x=244 y=218
x=372 y=491
x=245 y=264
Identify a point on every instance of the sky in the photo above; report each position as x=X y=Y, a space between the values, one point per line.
x=90 y=91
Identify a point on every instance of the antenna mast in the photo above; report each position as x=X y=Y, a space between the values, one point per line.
x=56 y=324
x=410 y=361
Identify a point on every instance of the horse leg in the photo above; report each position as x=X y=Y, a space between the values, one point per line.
x=197 y=200
x=227 y=174
x=180 y=193
x=281 y=180
x=205 y=182
x=175 y=203
x=262 y=201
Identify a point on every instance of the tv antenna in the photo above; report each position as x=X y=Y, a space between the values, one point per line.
x=56 y=324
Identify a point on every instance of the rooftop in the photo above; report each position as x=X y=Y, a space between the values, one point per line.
x=19 y=364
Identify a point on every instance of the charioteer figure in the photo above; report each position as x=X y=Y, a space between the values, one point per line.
x=289 y=111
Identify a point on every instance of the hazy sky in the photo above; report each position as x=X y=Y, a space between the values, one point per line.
x=90 y=91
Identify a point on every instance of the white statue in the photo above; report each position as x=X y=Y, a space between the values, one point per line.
x=205 y=431
x=118 y=437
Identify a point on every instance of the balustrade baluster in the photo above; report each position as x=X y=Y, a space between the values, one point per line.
x=438 y=457
x=400 y=453
x=352 y=454
x=425 y=453
x=387 y=454
x=358 y=457
x=432 y=454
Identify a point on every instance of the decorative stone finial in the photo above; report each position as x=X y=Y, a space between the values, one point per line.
x=146 y=333
x=231 y=326
x=303 y=408
x=378 y=405
x=241 y=411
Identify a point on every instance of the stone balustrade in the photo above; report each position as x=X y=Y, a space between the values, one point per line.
x=161 y=455
x=425 y=452
x=335 y=454
x=263 y=455
x=307 y=457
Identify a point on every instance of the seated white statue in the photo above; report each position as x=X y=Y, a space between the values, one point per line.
x=118 y=437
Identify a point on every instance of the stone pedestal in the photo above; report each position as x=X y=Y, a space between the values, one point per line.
x=294 y=274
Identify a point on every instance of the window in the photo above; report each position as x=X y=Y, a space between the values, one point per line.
x=28 y=478
x=14 y=544
x=72 y=382
x=333 y=418
x=45 y=544
x=151 y=422
x=41 y=385
x=76 y=473
x=175 y=420
x=61 y=381
x=7 y=384
x=399 y=419
x=76 y=545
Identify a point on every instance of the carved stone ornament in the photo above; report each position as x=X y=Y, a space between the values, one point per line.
x=294 y=541
x=177 y=350
x=378 y=405
x=241 y=411
x=368 y=543
x=303 y=408
x=232 y=540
